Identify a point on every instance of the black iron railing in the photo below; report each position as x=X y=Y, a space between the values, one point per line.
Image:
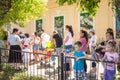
x=49 y=66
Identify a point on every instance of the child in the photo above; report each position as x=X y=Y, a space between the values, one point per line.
x=110 y=56
x=94 y=57
x=26 y=58
x=78 y=62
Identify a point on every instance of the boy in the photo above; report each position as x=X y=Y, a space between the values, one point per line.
x=78 y=61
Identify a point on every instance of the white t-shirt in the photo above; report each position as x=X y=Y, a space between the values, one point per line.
x=26 y=55
x=26 y=40
x=36 y=40
x=45 y=37
x=13 y=39
x=93 y=38
x=70 y=40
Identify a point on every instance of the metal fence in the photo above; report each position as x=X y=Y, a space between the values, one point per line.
x=49 y=66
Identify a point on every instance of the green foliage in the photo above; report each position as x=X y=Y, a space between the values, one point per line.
x=19 y=11
x=2 y=33
x=116 y=8
x=8 y=73
x=22 y=76
x=90 y=6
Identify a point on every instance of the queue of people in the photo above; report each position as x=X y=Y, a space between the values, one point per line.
x=104 y=51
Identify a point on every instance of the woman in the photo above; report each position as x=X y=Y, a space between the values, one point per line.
x=36 y=42
x=102 y=46
x=15 y=44
x=68 y=41
x=84 y=41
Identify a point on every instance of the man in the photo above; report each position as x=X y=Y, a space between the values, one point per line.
x=45 y=38
x=58 y=43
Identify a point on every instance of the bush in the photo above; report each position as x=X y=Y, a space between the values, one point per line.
x=8 y=73
x=2 y=33
x=23 y=76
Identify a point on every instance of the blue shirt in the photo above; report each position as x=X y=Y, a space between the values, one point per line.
x=93 y=54
x=78 y=65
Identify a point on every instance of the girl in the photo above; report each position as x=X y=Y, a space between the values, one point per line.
x=36 y=42
x=15 y=44
x=26 y=56
x=110 y=56
x=84 y=41
x=68 y=41
x=27 y=39
x=93 y=39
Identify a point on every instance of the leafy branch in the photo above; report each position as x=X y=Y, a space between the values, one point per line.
x=19 y=11
x=90 y=6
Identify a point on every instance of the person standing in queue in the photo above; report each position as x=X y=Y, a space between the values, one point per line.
x=84 y=41
x=15 y=55
x=68 y=42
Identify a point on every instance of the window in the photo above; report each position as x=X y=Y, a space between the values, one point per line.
x=38 y=26
x=59 y=24
x=86 y=21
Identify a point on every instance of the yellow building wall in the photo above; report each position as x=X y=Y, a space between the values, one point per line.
x=70 y=13
x=29 y=27
x=103 y=19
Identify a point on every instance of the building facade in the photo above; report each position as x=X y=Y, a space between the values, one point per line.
x=56 y=17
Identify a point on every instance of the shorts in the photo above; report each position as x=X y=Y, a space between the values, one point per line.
x=68 y=48
x=67 y=67
x=35 y=47
x=93 y=64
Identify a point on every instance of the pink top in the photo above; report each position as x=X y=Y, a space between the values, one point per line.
x=112 y=58
x=84 y=44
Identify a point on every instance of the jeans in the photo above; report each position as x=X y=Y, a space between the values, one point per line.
x=35 y=47
x=109 y=74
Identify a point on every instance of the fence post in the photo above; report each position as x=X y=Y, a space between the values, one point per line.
x=62 y=66
x=0 y=59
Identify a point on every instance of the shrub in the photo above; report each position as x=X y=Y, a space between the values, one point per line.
x=2 y=33
x=8 y=73
x=23 y=76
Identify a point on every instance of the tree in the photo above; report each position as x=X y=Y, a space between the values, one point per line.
x=91 y=6
x=19 y=11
